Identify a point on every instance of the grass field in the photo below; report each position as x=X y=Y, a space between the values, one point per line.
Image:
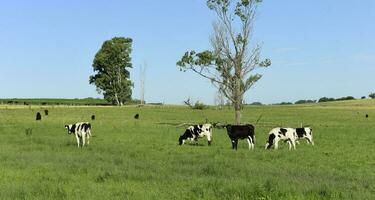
x=129 y=159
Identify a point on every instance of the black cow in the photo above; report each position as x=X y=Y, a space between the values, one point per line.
x=38 y=116
x=136 y=116
x=46 y=112
x=92 y=117
x=236 y=132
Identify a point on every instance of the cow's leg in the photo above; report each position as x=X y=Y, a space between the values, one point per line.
x=209 y=139
x=88 y=139
x=294 y=144
x=83 y=139
x=289 y=144
x=276 y=143
x=250 y=141
x=233 y=144
x=236 y=143
x=88 y=136
x=78 y=140
x=297 y=142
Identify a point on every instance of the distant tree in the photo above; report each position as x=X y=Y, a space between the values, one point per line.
x=256 y=104
x=372 y=95
x=325 y=99
x=345 y=98
x=305 y=101
x=285 y=103
x=111 y=64
x=230 y=63
x=363 y=97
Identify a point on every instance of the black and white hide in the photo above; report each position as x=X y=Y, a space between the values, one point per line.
x=305 y=133
x=82 y=131
x=236 y=132
x=288 y=135
x=192 y=133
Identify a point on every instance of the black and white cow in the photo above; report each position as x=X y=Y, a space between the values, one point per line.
x=236 y=132
x=305 y=133
x=81 y=130
x=192 y=133
x=285 y=134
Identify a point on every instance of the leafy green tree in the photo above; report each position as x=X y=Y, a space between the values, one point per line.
x=230 y=64
x=372 y=95
x=111 y=64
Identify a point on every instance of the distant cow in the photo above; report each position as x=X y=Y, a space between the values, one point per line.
x=92 y=117
x=192 y=133
x=236 y=132
x=46 y=112
x=305 y=133
x=81 y=130
x=286 y=134
x=366 y=115
x=38 y=116
x=136 y=116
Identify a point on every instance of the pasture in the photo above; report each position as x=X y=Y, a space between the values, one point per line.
x=140 y=159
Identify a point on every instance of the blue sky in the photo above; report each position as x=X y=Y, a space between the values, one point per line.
x=318 y=48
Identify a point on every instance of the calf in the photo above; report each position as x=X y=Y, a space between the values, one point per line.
x=236 y=132
x=192 y=133
x=286 y=134
x=305 y=133
x=81 y=130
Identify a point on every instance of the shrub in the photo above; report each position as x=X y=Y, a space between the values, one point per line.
x=372 y=95
x=199 y=105
x=256 y=104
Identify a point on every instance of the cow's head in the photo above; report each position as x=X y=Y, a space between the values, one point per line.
x=69 y=127
x=309 y=136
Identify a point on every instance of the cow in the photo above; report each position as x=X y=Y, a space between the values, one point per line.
x=45 y=112
x=305 y=133
x=92 y=117
x=236 y=132
x=286 y=134
x=136 y=116
x=194 y=132
x=38 y=116
x=81 y=130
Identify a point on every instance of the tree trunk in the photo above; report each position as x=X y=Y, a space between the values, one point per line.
x=117 y=100
x=237 y=109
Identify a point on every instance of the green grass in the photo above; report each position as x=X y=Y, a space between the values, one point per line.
x=129 y=159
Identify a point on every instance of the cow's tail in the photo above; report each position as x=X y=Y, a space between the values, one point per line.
x=270 y=142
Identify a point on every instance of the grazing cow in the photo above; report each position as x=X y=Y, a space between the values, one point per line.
x=236 y=132
x=136 y=116
x=305 y=133
x=366 y=115
x=81 y=130
x=197 y=131
x=46 y=112
x=38 y=116
x=92 y=117
x=286 y=134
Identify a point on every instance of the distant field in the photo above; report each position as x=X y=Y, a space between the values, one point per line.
x=86 y=101
x=140 y=159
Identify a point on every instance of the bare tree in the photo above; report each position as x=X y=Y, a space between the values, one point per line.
x=231 y=63
x=142 y=81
